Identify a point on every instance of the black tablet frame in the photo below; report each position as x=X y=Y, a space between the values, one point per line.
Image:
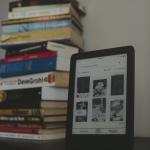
x=103 y=142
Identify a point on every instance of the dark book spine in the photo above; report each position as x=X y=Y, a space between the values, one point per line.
x=23 y=94
x=25 y=49
x=21 y=119
x=21 y=98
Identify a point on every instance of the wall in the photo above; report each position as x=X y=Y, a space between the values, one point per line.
x=118 y=23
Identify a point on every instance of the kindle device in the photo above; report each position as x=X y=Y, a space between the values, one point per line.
x=101 y=100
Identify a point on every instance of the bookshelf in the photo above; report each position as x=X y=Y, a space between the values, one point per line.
x=38 y=38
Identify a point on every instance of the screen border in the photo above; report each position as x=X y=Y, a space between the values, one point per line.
x=124 y=141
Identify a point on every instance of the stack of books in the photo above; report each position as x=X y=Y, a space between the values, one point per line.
x=39 y=38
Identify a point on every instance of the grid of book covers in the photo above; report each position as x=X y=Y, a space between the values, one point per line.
x=100 y=95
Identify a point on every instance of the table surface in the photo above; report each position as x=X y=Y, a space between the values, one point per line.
x=9 y=144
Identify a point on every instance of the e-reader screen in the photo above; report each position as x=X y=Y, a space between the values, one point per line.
x=101 y=99
x=100 y=95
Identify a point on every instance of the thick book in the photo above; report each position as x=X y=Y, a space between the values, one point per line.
x=40 y=137
x=31 y=130
x=44 y=94
x=36 y=19
x=28 y=66
x=53 y=79
x=43 y=25
x=63 y=53
x=34 y=112
x=37 y=55
x=23 y=3
x=45 y=10
x=47 y=93
x=34 y=98
x=59 y=116
x=66 y=35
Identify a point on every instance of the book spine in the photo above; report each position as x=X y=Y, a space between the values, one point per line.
x=18 y=51
x=22 y=94
x=22 y=3
x=27 y=27
x=37 y=13
x=36 y=19
x=21 y=119
x=32 y=136
x=27 y=67
x=32 y=112
x=21 y=112
x=29 y=56
x=61 y=34
x=35 y=80
x=19 y=129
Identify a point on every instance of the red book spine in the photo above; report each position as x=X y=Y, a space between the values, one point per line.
x=29 y=56
x=19 y=129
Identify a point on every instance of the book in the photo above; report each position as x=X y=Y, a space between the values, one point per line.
x=30 y=130
x=38 y=94
x=34 y=112
x=35 y=19
x=63 y=53
x=22 y=3
x=66 y=35
x=54 y=79
x=45 y=10
x=45 y=125
x=56 y=116
x=43 y=25
x=41 y=137
x=33 y=98
x=37 y=55
x=27 y=66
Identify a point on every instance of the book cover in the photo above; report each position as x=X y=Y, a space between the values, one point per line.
x=53 y=79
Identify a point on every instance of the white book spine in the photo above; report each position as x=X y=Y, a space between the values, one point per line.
x=52 y=93
x=62 y=49
x=32 y=136
x=38 y=13
x=64 y=54
x=28 y=81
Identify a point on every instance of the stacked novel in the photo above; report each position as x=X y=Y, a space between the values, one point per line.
x=39 y=38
